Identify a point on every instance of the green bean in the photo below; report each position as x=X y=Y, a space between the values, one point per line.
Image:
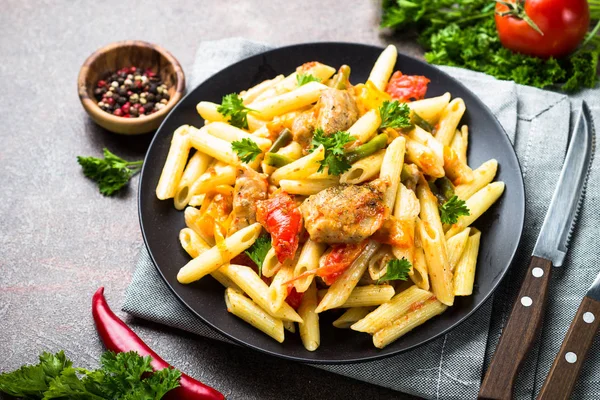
x=410 y=176
x=277 y=160
x=284 y=137
x=417 y=120
x=446 y=188
x=364 y=150
x=342 y=79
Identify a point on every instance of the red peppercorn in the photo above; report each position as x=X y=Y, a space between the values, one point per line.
x=125 y=107
x=137 y=105
x=132 y=69
x=109 y=100
x=129 y=93
x=126 y=116
x=118 y=112
x=141 y=110
x=101 y=83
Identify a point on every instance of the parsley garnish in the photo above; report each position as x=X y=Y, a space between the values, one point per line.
x=233 y=106
x=258 y=251
x=303 y=79
x=396 y=270
x=121 y=376
x=334 y=150
x=111 y=173
x=452 y=209
x=395 y=115
x=246 y=149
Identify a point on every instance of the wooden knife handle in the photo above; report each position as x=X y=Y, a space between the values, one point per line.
x=517 y=338
x=565 y=370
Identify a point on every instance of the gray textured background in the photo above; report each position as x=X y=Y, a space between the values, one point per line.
x=60 y=239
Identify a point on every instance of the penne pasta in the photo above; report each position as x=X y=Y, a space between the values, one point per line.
x=309 y=327
x=430 y=109
x=366 y=296
x=364 y=169
x=464 y=276
x=192 y=220
x=383 y=68
x=290 y=101
x=195 y=167
x=270 y=264
x=460 y=143
x=350 y=316
x=249 y=95
x=378 y=263
x=213 y=146
x=278 y=290
x=230 y=134
x=220 y=174
x=175 y=163
x=212 y=259
x=457 y=171
x=208 y=111
x=422 y=136
x=246 y=309
x=406 y=209
x=301 y=168
x=449 y=119
x=365 y=127
x=192 y=243
x=424 y=158
x=391 y=168
x=456 y=245
x=481 y=177
x=306 y=187
x=418 y=273
x=307 y=261
x=440 y=276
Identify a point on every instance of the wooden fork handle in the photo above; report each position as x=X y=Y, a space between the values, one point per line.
x=519 y=333
x=567 y=364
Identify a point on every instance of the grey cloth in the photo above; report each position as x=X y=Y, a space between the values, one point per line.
x=538 y=124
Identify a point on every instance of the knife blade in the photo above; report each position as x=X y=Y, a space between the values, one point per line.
x=550 y=249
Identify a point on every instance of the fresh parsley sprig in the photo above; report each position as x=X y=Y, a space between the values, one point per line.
x=395 y=115
x=120 y=376
x=111 y=173
x=246 y=149
x=334 y=145
x=452 y=209
x=303 y=79
x=258 y=251
x=396 y=270
x=232 y=106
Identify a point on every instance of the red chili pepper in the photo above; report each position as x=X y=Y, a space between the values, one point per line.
x=119 y=338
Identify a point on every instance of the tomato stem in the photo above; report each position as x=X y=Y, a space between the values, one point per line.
x=517 y=10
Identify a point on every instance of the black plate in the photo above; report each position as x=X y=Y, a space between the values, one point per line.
x=501 y=226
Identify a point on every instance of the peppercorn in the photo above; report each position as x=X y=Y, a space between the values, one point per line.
x=149 y=106
x=134 y=98
x=118 y=112
x=134 y=112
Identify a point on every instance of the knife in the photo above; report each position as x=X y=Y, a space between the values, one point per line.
x=550 y=249
x=563 y=374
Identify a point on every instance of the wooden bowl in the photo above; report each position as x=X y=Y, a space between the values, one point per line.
x=115 y=56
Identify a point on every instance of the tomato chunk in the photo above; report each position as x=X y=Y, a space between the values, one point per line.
x=407 y=87
x=280 y=216
x=294 y=298
x=339 y=260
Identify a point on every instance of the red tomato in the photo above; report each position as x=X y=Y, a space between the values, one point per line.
x=339 y=260
x=294 y=298
x=280 y=216
x=407 y=87
x=564 y=24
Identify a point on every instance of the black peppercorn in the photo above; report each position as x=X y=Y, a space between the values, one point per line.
x=122 y=100
x=149 y=105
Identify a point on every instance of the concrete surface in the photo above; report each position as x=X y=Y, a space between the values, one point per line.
x=60 y=239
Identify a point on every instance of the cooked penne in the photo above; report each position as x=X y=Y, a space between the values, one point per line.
x=383 y=68
x=399 y=305
x=175 y=163
x=306 y=187
x=340 y=290
x=365 y=127
x=208 y=111
x=212 y=259
x=197 y=200
x=456 y=245
x=428 y=206
x=213 y=146
x=309 y=328
x=449 y=119
x=251 y=284
x=364 y=169
x=464 y=276
x=477 y=205
x=391 y=168
x=418 y=273
x=278 y=290
x=290 y=101
x=351 y=316
x=270 y=264
x=365 y=296
x=307 y=261
x=249 y=95
x=426 y=138
x=406 y=209
x=481 y=177
x=440 y=276
x=220 y=174
x=224 y=280
x=230 y=134
x=192 y=220
x=424 y=158
x=460 y=143
x=378 y=263
x=192 y=243
x=457 y=171
x=401 y=326
x=246 y=309
x=301 y=168
x=430 y=109
x=195 y=167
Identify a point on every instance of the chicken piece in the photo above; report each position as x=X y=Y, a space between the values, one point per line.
x=336 y=111
x=250 y=186
x=302 y=129
x=345 y=213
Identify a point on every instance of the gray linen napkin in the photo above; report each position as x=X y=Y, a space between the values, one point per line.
x=450 y=367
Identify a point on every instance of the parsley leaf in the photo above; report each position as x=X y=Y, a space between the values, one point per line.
x=233 y=106
x=396 y=270
x=246 y=149
x=452 y=209
x=582 y=70
x=395 y=115
x=111 y=173
x=121 y=376
x=258 y=251
x=334 y=150
x=303 y=79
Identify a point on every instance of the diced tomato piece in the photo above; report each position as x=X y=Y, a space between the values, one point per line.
x=294 y=298
x=339 y=260
x=407 y=87
x=280 y=216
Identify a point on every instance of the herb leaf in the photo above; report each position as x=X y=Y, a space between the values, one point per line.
x=246 y=149
x=303 y=79
x=111 y=173
x=258 y=251
x=452 y=209
x=334 y=150
x=396 y=270
x=395 y=115
x=232 y=106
